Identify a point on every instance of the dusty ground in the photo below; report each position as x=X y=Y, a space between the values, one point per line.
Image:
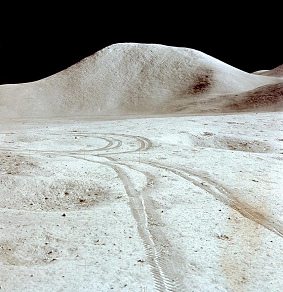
x=156 y=204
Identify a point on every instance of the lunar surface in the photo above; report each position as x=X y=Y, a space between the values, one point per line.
x=142 y=168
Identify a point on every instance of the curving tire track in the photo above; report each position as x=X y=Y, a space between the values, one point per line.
x=157 y=246
x=144 y=144
x=221 y=194
x=159 y=252
x=111 y=144
x=202 y=181
x=164 y=277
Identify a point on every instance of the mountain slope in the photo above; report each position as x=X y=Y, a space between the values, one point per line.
x=127 y=78
x=275 y=72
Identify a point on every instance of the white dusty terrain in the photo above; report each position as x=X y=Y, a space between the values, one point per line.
x=178 y=201
x=186 y=202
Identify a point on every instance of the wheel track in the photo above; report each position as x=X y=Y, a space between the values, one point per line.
x=138 y=209
x=144 y=144
x=220 y=193
x=203 y=182
x=113 y=143
x=140 y=214
x=165 y=278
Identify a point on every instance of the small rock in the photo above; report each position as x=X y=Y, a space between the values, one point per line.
x=140 y=261
x=223 y=237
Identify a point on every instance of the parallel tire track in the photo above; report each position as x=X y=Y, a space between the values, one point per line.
x=222 y=194
x=160 y=261
x=157 y=247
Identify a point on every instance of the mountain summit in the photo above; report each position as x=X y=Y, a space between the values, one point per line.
x=128 y=78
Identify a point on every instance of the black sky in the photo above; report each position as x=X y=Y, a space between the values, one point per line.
x=36 y=46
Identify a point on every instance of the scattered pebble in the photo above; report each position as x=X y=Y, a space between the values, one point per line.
x=140 y=261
